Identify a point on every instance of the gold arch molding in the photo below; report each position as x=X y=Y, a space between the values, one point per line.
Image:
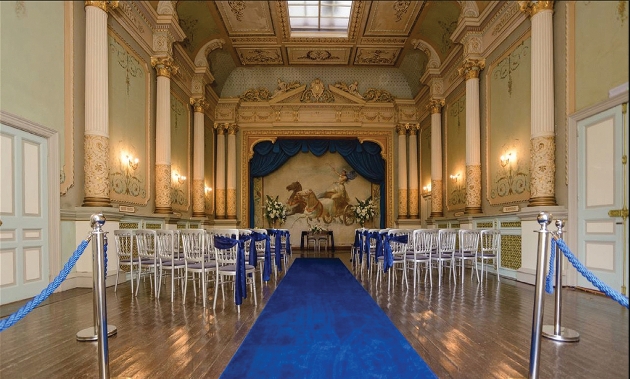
x=382 y=137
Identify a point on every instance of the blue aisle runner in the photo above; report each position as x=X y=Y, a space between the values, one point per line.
x=321 y=323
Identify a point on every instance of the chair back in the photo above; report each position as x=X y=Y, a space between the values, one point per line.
x=225 y=256
x=468 y=241
x=490 y=241
x=423 y=241
x=447 y=238
x=399 y=248
x=166 y=244
x=194 y=245
x=145 y=241
x=125 y=242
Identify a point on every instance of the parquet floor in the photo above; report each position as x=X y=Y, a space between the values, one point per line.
x=463 y=330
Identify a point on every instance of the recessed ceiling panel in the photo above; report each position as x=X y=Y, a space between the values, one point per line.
x=392 y=18
x=260 y=56
x=318 y=55
x=376 y=56
x=246 y=17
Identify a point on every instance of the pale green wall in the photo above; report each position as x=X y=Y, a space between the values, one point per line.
x=32 y=62
x=601 y=50
x=455 y=152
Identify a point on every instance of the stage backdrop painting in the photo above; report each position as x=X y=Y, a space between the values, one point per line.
x=318 y=191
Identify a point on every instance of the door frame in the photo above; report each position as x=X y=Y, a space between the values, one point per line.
x=572 y=174
x=53 y=185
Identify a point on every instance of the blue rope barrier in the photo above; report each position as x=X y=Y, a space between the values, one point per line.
x=603 y=287
x=17 y=316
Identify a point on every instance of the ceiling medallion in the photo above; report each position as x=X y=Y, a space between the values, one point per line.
x=237 y=7
x=317 y=93
x=318 y=55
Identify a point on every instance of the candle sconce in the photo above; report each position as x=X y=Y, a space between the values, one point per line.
x=510 y=179
x=125 y=181
x=458 y=194
x=426 y=190
x=178 y=195
x=208 y=199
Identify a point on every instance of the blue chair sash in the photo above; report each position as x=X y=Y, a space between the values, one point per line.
x=388 y=260
x=253 y=254
x=240 y=288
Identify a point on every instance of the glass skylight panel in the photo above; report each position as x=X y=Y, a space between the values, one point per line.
x=314 y=18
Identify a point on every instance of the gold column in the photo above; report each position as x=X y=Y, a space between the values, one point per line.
x=198 y=183
x=231 y=171
x=164 y=67
x=401 y=129
x=219 y=185
x=414 y=194
x=470 y=70
x=435 y=106
x=96 y=135
x=543 y=149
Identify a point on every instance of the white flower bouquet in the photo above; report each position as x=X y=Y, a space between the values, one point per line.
x=365 y=210
x=275 y=210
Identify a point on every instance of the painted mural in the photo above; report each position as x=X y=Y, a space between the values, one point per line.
x=320 y=191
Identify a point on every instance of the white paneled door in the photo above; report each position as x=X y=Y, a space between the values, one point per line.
x=24 y=266
x=601 y=189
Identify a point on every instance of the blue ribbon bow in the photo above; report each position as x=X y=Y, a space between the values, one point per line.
x=221 y=242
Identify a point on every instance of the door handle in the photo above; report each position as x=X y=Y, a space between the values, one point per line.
x=623 y=213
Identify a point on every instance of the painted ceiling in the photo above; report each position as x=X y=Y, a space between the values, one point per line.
x=257 y=42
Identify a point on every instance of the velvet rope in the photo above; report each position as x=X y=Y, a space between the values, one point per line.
x=240 y=288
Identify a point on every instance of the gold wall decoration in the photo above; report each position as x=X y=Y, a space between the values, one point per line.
x=378 y=96
x=256 y=94
x=511 y=254
x=317 y=93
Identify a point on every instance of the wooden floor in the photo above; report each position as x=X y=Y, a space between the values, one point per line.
x=467 y=330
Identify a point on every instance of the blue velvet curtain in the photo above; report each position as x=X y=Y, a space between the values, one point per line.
x=365 y=158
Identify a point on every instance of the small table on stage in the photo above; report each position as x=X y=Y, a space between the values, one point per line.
x=331 y=238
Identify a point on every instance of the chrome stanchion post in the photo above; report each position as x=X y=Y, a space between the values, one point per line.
x=556 y=332
x=544 y=219
x=100 y=331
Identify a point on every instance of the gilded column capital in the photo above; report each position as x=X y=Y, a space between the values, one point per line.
x=413 y=128
x=106 y=6
x=401 y=129
x=165 y=66
x=435 y=105
x=533 y=7
x=232 y=129
x=199 y=104
x=220 y=127
x=471 y=67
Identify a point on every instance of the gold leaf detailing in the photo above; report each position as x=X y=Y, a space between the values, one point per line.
x=237 y=7
x=260 y=94
x=317 y=93
x=401 y=8
x=378 y=96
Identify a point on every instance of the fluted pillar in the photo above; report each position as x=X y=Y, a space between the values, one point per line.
x=96 y=134
x=414 y=194
x=198 y=184
x=470 y=70
x=164 y=68
x=437 y=195
x=542 y=165
x=401 y=129
x=220 y=173
x=231 y=172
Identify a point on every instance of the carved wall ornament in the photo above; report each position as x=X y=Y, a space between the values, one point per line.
x=401 y=7
x=260 y=94
x=317 y=93
x=377 y=56
x=378 y=96
x=284 y=87
x=260 y=56
x=510 y=64
x=352 y=89
x=434 y=58
x=237 y=7
x=505 y=17
x=318 y=56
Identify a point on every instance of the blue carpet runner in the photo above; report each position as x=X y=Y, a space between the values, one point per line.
x=321 y=323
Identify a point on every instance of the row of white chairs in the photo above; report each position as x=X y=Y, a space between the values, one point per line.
x=429 y=249
x=191 y=255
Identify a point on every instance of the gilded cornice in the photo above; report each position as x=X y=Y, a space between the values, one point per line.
x=105 y=6
x=164 y=66
x=533 y=7
x=435 y=105
x=471 y=67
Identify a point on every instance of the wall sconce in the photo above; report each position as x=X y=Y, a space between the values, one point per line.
x=208 y=190
x=505 y=159
x=426 y=190
x=455 y=177
x=131 y=161
x=177 y=178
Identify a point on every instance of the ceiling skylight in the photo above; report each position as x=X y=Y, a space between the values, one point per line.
x=319 y=18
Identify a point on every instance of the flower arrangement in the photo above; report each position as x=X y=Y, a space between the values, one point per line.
x=317 y=229
x=365 y=210
x=275 y=210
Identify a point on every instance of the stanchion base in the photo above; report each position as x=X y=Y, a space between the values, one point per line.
x=566 y=335
x=88 y=334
